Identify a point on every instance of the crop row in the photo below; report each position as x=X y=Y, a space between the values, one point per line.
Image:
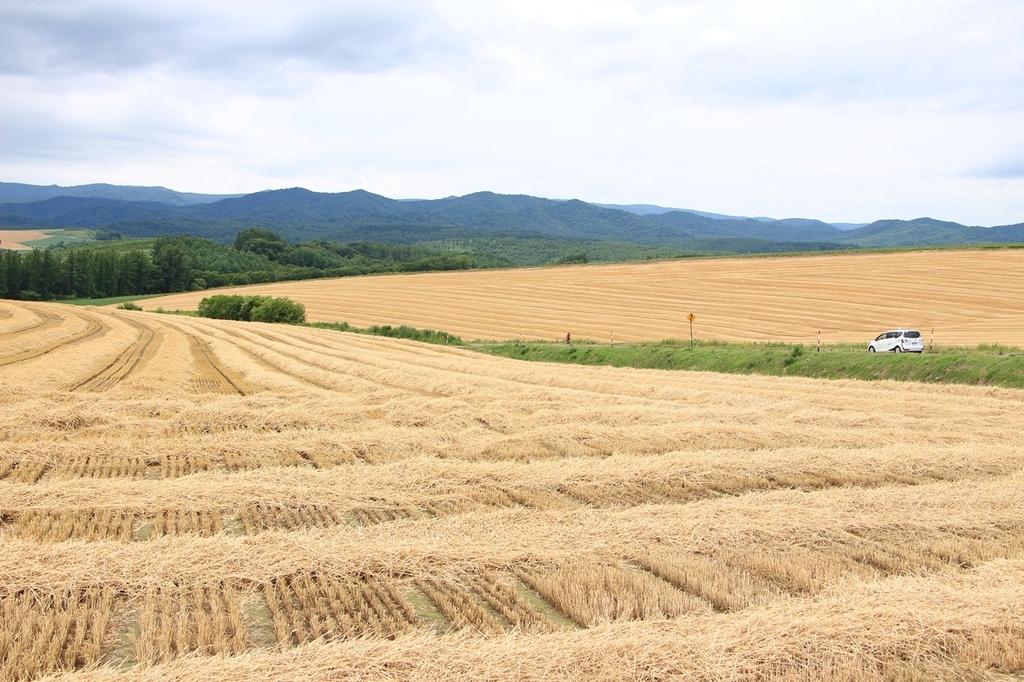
x=486 y=601
x=309 y=606
x=566 y=494
x=731 y=579
x=31 y=470
x=22 y=470
x=182 y=619
x=92 y=466
x=80 y=524
x=256 y=518
x=186 y=522
x=591 y=593
x=126 y=525
x=42 y=631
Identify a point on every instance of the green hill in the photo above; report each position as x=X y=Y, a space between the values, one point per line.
x=301 y=215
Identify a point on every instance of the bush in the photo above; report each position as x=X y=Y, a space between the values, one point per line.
x=252 y=309
x=572 y=259
x=128 y=305
x=222 y=307
x=278 y=310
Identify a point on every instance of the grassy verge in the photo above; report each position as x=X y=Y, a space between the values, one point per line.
x=107 y=301
x=400 y=332
x=985 y=365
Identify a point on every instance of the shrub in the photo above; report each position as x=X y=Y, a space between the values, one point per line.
x=252 y=309
x=278 y=310
x=222 y=307
x=128 y=305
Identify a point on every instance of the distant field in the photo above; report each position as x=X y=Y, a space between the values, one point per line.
x=24 y=240
x=968 y=297
x=183 y=498
x=17 y=240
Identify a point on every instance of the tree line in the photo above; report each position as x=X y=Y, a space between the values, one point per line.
x=184 y=263
x=52 y=274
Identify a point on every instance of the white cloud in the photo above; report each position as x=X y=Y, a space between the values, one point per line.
x=113 y=36
x=851 y=110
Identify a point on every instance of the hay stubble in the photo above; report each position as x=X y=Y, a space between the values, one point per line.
x=968 y=297
x=383 y=509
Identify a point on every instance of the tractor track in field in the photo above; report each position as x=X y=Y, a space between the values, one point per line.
x=335 y=353
x=275 y=366
x=210 y=375
x=93 y=328
x=46 y=320
x=416 y=369
x=123 y=364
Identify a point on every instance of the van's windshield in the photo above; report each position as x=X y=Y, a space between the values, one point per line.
x=912 y=335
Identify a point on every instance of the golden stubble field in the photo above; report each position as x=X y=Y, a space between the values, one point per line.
x=968 y=297
x=15 y=239
x=197 y=499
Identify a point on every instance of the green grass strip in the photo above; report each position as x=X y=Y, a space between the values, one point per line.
x=984 y=366
x=109 y=300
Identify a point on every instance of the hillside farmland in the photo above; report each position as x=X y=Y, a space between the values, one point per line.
x=196 y=499
x=15 y=240
x=967 y=297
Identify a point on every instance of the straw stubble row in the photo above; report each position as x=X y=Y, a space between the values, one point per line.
x=43 y=631
x=181 y=619
x=756 y=527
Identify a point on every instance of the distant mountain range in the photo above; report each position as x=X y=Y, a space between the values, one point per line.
x=14 y=192
x=299 y=214
x=651 y=209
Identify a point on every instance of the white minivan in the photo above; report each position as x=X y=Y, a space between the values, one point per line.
x=898 y=341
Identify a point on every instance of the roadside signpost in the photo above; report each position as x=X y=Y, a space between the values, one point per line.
x=690 y=318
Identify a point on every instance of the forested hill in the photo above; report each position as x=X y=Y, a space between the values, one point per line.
x=298 y=214
x=19 y=192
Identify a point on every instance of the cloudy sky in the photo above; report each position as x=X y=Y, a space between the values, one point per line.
x=842 y=110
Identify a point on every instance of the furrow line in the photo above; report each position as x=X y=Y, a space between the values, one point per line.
x=122 y=365
x=208 y=370
x=93 y=328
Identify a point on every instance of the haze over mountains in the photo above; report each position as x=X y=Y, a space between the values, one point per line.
x=299 y=214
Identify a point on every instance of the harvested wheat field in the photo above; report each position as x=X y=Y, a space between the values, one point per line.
x=197 y=499
x=15 y=239
x=968 y=297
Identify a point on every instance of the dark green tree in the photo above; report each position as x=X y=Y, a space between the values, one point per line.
x=136 y=275
x=105 y=271
x=10 y=274
x=173 y=270
x=261 y=241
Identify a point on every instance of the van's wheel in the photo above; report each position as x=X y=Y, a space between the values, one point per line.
x=871 y=349
x=897 y=349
